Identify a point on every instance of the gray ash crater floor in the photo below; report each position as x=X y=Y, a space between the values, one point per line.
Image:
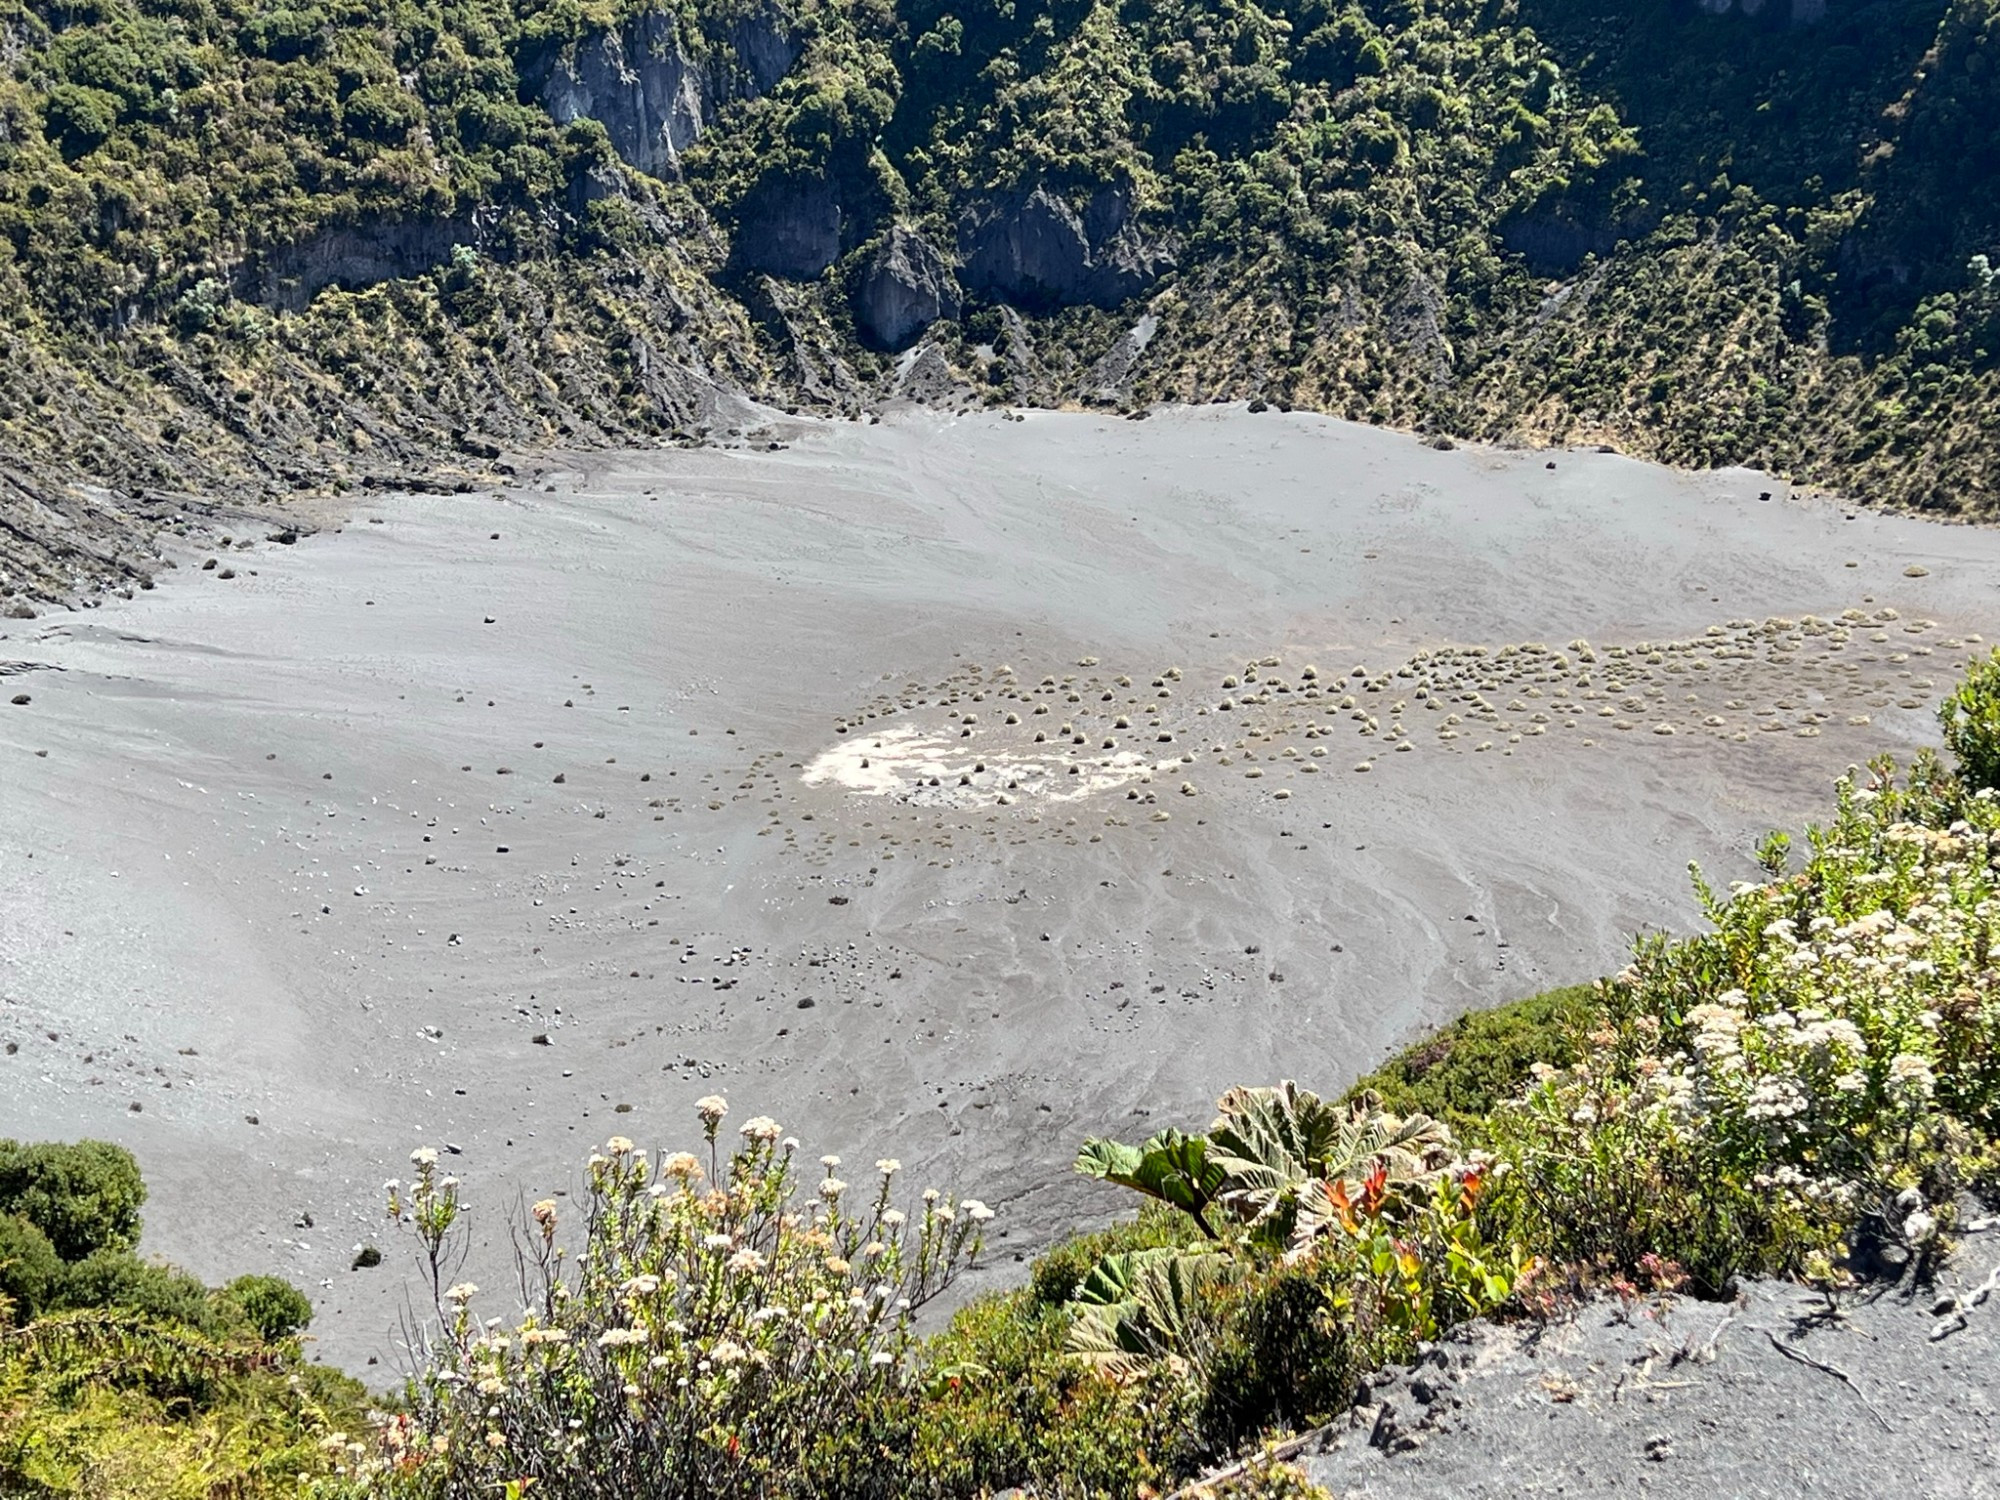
x=507 y=822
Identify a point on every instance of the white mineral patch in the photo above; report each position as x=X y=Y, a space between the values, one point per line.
x=934 y=770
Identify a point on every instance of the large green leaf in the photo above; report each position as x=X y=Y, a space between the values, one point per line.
x=1159 y=1313
x=1284 y=1147
x=1173 y=1167
x=1114 y=1278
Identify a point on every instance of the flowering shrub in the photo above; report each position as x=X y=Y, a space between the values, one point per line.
x=708 y=1335
x=1831 y=1050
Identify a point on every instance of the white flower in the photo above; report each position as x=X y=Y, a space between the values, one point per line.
x=615 y=1338
x=424 y=1156
x=463 y=1292
x=976 y=1211
x=711 y=1108
x=892 y=1217
x=618 y=1145
x=716 y=1242
x=831 y=1188
x=761 y=1128
x=1911 y=1075
x=746 y=1262
x=888 y=1166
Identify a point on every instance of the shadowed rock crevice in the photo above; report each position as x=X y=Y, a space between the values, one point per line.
x=1039 y=251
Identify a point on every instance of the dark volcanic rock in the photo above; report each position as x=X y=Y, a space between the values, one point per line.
x=789 y=226
x=907 y=287
x=355 y=257
x=1038 y=250
x=652 y=98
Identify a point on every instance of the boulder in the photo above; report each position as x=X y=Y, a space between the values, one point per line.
x=907 y=286
x=1038 y=250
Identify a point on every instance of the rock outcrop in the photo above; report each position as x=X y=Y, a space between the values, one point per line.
x=353 y=257
x=1792 y=12
x=788 y=226
x=907 y=286
x=653 y=98
x=1037 y=250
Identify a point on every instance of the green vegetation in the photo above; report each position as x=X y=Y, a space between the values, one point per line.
x=270 y=247
x=121 y=1377
x=1807 y=1088
x=1464 y=1071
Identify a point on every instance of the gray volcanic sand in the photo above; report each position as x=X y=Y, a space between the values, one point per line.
x=1763 y=1399
x=692 y=771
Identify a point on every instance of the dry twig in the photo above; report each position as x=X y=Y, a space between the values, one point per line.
x=1834 y=1370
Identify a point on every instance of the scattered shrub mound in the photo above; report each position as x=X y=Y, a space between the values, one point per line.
x=121 y=1377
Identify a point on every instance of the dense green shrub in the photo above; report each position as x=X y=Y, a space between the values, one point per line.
x=1003 y=1404
x=119 y=1377
x=273 y=1307
x=120 y=1279
x=1462 y=1072
x=29 y=1268
x=1970 y=718
x=85 y=1197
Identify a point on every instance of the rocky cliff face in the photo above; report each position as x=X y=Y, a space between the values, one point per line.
x=1792 y=12
x=652 y=96
x=789 y=226
x=354 y=257
x=907 y=287
x=1037 y=250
